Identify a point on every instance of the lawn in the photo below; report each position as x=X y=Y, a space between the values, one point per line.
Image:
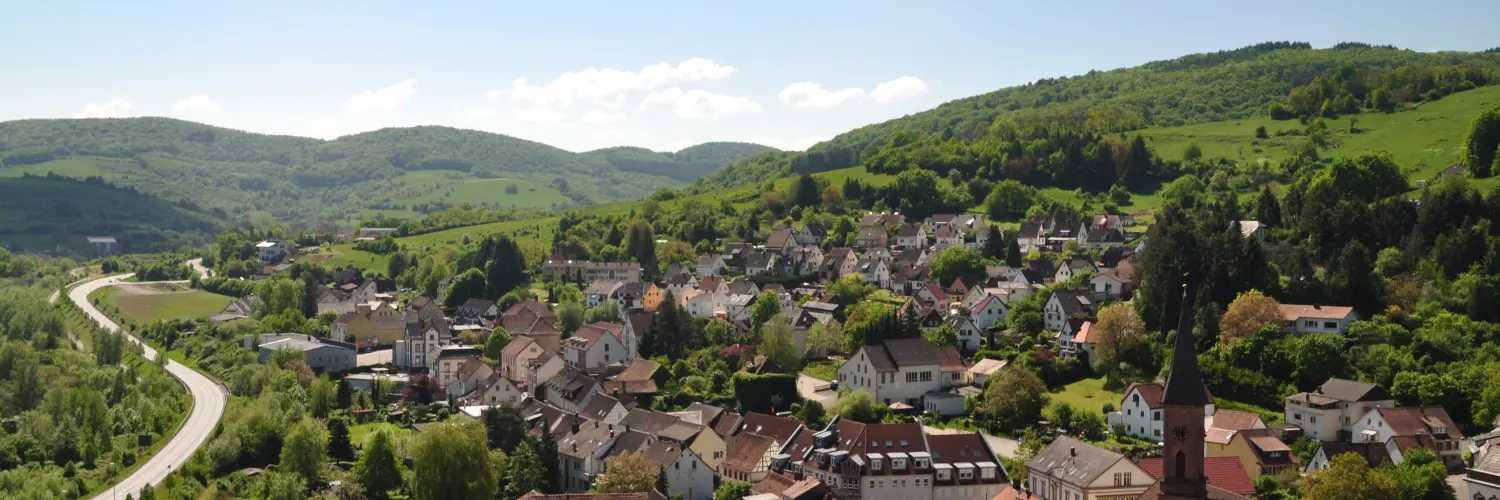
x=149 y=303
x=532 y=235
x=1087 y=394
x=457 y=188
x=822 y=370
x=358 y=433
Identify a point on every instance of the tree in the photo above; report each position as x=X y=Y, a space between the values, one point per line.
x=1318 y=358
x=1260 y=132
x=1009 y=199
x=498 y=339
x=956 y=261
x=467 y=285
x=379 y=469
x=944 y=335
x=994 y=245
x=776 y=343
x=450 y=460
x=1420 y=475
x=504 y=427
x=850 y=289
x=1192 y=152
x=1268 y=208
x=1250 y=312
x=570 y=316
x=305 y=450
x=1016 y=396
x=766 y=306
x=629 y=472
x=732 y=490
x=607 y=311
x=1348 y=476
x=808 y=193
x=525 y=472
x=858 y=406
x=339 y=446
x=812 y=414
x=640 y=246
x=825 y=337
x=1012 y=251
x=1481 y=142
x=345 y=395
x=1120 y=331
x=321 y=397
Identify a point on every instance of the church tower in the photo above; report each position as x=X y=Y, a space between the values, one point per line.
x=1184 y=401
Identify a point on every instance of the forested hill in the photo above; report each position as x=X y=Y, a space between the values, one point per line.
x=396 y=172
x=1197 y=88
x=686 y=165
x=43 y=213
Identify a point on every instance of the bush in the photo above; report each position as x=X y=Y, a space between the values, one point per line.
x=1260 y=132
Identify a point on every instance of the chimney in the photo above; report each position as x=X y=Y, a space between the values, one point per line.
x=575 y=431
x=1317 y=305
x=1072 y=451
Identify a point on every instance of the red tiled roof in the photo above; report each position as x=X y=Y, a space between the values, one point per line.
x=1085 y=333
x=1151 y=393
x=747 y=451
x=773 y=484
x=1293 y=312
x=1235 y=420
x=1225 y=472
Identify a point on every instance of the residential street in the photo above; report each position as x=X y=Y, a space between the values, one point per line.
x=208 y=405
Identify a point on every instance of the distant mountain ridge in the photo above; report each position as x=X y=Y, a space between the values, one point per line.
x=306 y=179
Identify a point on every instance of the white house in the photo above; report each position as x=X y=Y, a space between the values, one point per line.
x=681 y=283
x=1075 y=266
x=1483 y=478
x=1108 y=286
x=497 y=390
x=706 y=304
x=949 y=236
x=875 y=271
x=271 y=250
x=581 y=453
x=911 y=237
x=1070 y=469
x=603 y=291
x=595 y=346
x=1329 y=413
x=1077 y=336
x=988 y=312
x=1140 y=413
x=903 y=370
x=1064 y=305
x=969 y=336
x=1303 y=319
x=1403 y=429
x=711 y=265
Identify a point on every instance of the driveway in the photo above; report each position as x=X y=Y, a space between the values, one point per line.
x=208 y=405
x=1005 y=447
x=197 y=265
x=806 y=387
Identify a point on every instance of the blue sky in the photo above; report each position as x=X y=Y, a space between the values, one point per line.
x=662 y=75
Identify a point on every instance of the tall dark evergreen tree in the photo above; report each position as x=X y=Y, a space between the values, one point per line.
x=1013 y=256
x=994 y=244
x=808 y=193
x=339 y=447
x=1268 y=208
x=640 y=245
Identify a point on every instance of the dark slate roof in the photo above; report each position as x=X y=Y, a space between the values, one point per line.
x=1080 y=463
x=1349 y=390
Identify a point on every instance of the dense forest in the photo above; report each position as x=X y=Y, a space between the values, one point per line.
x=1286 y=78
x=41 y=213
x=303 y=179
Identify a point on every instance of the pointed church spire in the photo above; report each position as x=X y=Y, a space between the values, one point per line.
x=1185 y=385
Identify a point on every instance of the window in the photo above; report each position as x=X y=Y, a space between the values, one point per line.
x=1158 y=433
x=943 y=474
x=1296 y=416
x=1331 y=325
x=898 y=464
x=966 y=473
x=911 y=376
x=606 y=347
x=987 y=473
x=926 y=376
x=1155 y=415
x=1310 y=324
x=1135 y=398
x=1122 y=479
x=1313 y=419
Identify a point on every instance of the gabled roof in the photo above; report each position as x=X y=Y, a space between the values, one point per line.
x=710 y=283
x=1420 y=420
x=1150 y=393
x=1078 y=463
x=727 y=424
x=779 y=429
x=872 y=233
x=1294 y=312
x=774 y=484
x=1072 y=302
x=948 y=231
x=590 y=438
x=1351 y=391
x=909 y=231
x=1214 y=493
x=760 y=260
x=599 y=407
x=710 y=260
x=747 y=451
x=639 y=369
x=1235 y=420
x=650 y=422
x=779 y=238
x=988 y=366
x=473 y=308
x=1083 y=331
x=604 y=287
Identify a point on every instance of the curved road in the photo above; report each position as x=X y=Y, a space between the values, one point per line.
x=208 y=404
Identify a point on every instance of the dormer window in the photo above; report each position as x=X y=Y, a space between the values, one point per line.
x=898 y=464
x=875 y=464
x=966 y=473
x=921 y=463
x=987 y=473
x=942 y=474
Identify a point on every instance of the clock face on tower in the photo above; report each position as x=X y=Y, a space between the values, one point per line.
x=1180 y=432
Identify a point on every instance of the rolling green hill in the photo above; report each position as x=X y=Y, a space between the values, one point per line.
x=1200 y=88
x=687 y=165
x=397 y=172
x=39 y=213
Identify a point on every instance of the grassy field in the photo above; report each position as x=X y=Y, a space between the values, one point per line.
x=1422 y=140
x=533 y=235
x=82 y=166
x=457 y=188
x=822 y=370
x=1087 y=394
x=149 y=303
x=359 y=433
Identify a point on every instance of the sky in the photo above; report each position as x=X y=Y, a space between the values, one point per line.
x=664 y=75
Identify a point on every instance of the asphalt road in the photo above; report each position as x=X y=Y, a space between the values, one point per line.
x=208 y=405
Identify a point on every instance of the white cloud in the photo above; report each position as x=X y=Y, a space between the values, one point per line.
x=116 y=108
x=814 y=96
x=601 y=117
x=611 y=86
x=811 y=95
x=699 y=104
x=388 y=98
x=198 y=105
x=540 y=116
x=899 y=89
x=800 y=144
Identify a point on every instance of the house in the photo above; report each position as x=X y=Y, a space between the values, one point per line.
x=423 y=341
x=780 y=241
x=1373 y=453
x=1304 y=319
x=687 y=475
x=581 y=454
x=379 y=322
x=457 y=366
x=604 y=408
x=911 y=237
x=711 y=265
x=582 y=271
x=1483 y=478
x=1072 y=469
x=1100 y=239
x=1329 y=413
x=603 y=291
x=1140 y=414
x=970 y=337
x=322 y=355
x=1253 y=229
x=569 y=390
x=271 y=250
x=1407 y=428
x=333 y=301
x=985 y=369
x=707 y=304
x=804 y=261
x=903 y=370
x=754 y=442
x=679 y=284
x=811 y=233
x=1109 y=285
x=543 y=368
x=881 y=461
x=839 y=262
x=989 y=312
x=761 y=263
x=1078 y=336
x=496 y=390
x=639 y=296
x=475 y=312
x=1224 y=472
x=949 y=236
x=374 y=233
x=516 y=355
x=881 y=219
x=595 y=346
x=1065 y=305
x=1074 y=266
x=743 y=287
x=104 y=246
x=871 y=237
x=1261 y=452
x=875 y=271
x=734 y=254
x=713 y=284
x=530 y=318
